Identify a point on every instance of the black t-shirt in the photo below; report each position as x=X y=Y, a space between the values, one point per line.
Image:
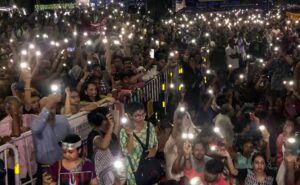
x=114 y=146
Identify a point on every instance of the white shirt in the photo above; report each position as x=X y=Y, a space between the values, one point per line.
x=234 y=62
x=171 y=154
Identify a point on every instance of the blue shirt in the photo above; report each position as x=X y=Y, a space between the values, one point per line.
x=47 y=137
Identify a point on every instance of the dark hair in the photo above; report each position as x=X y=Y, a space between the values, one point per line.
x=133 y=107
x=35 y=94
x=225 y=109
x=221 y=100
x=198 y=141
x=97 y=116
x=72 y=138
x=214 y=166
x=258 y=154
x=10 y=99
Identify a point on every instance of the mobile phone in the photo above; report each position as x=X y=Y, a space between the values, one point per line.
x=46 y=169
x=70 y=49
x=152 y=53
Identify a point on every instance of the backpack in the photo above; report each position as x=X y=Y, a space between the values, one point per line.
x=149 y=171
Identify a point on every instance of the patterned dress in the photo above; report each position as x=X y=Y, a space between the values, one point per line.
x=251 y=180
x=138 y=150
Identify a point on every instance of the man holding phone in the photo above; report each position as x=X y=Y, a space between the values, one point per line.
x=48 y=129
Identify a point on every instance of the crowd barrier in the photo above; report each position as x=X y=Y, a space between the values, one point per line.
x=5 y=151
x=23 y=147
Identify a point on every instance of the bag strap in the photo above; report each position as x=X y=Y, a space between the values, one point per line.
x=141 y=143
x=145 y=147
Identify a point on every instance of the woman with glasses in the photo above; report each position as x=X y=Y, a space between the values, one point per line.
x=132 y=149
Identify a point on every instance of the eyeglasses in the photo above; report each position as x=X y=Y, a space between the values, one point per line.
x=139 y=115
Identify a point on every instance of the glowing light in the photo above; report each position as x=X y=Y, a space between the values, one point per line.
x=262 y=127
x=24 y=52
x=291 y=140
x=38 y=53
x=23 y=65
x=216 y=129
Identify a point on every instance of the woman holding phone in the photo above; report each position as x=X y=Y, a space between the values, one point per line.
x=72 y=169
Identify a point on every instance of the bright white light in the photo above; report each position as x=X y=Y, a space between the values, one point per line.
x=31 y=46
x=213 y=148
x=124 y=120
x=38 y=53
x=291 y=140
x=117 y=42
x=118 y=164
x=57 y=44
x=66 y=40
x=75 y=33
x=89 y=62
x=54 y=87
x=210 y=91
x=23 y=65
x=24 y=52
x=11 y=40
x=262 y=127
x=184 y=135
x=284 y=82
x=85 y=34
x=172 y=54
x=89 y=42
x=104 y=40
x=291 y=83
x=216 y=129
x=208 y=71
x=206 y=35
x=172 y=85
x=182 y=109
x=276 y=49
x=190 y=136
x=242 y=76
x=45 y=36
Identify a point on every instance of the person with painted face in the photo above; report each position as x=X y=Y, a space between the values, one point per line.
x=72 y=169
x=258 y=174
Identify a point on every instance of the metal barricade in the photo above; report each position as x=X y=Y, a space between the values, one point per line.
x=4 y=149
x=23 y=148
x=26 y=142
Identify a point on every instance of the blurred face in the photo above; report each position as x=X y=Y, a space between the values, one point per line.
x=105 y=125
x=91 y=91
x=247 y=148
x=288 y=127
x=35 y=103
x=199 y=151
x=210 y=178
x=259 y=165
x=74 y=98
x=71 y=155
x=139 y=116
x=15 y=108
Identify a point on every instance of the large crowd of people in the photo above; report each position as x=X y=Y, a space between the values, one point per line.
x=232 y=113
